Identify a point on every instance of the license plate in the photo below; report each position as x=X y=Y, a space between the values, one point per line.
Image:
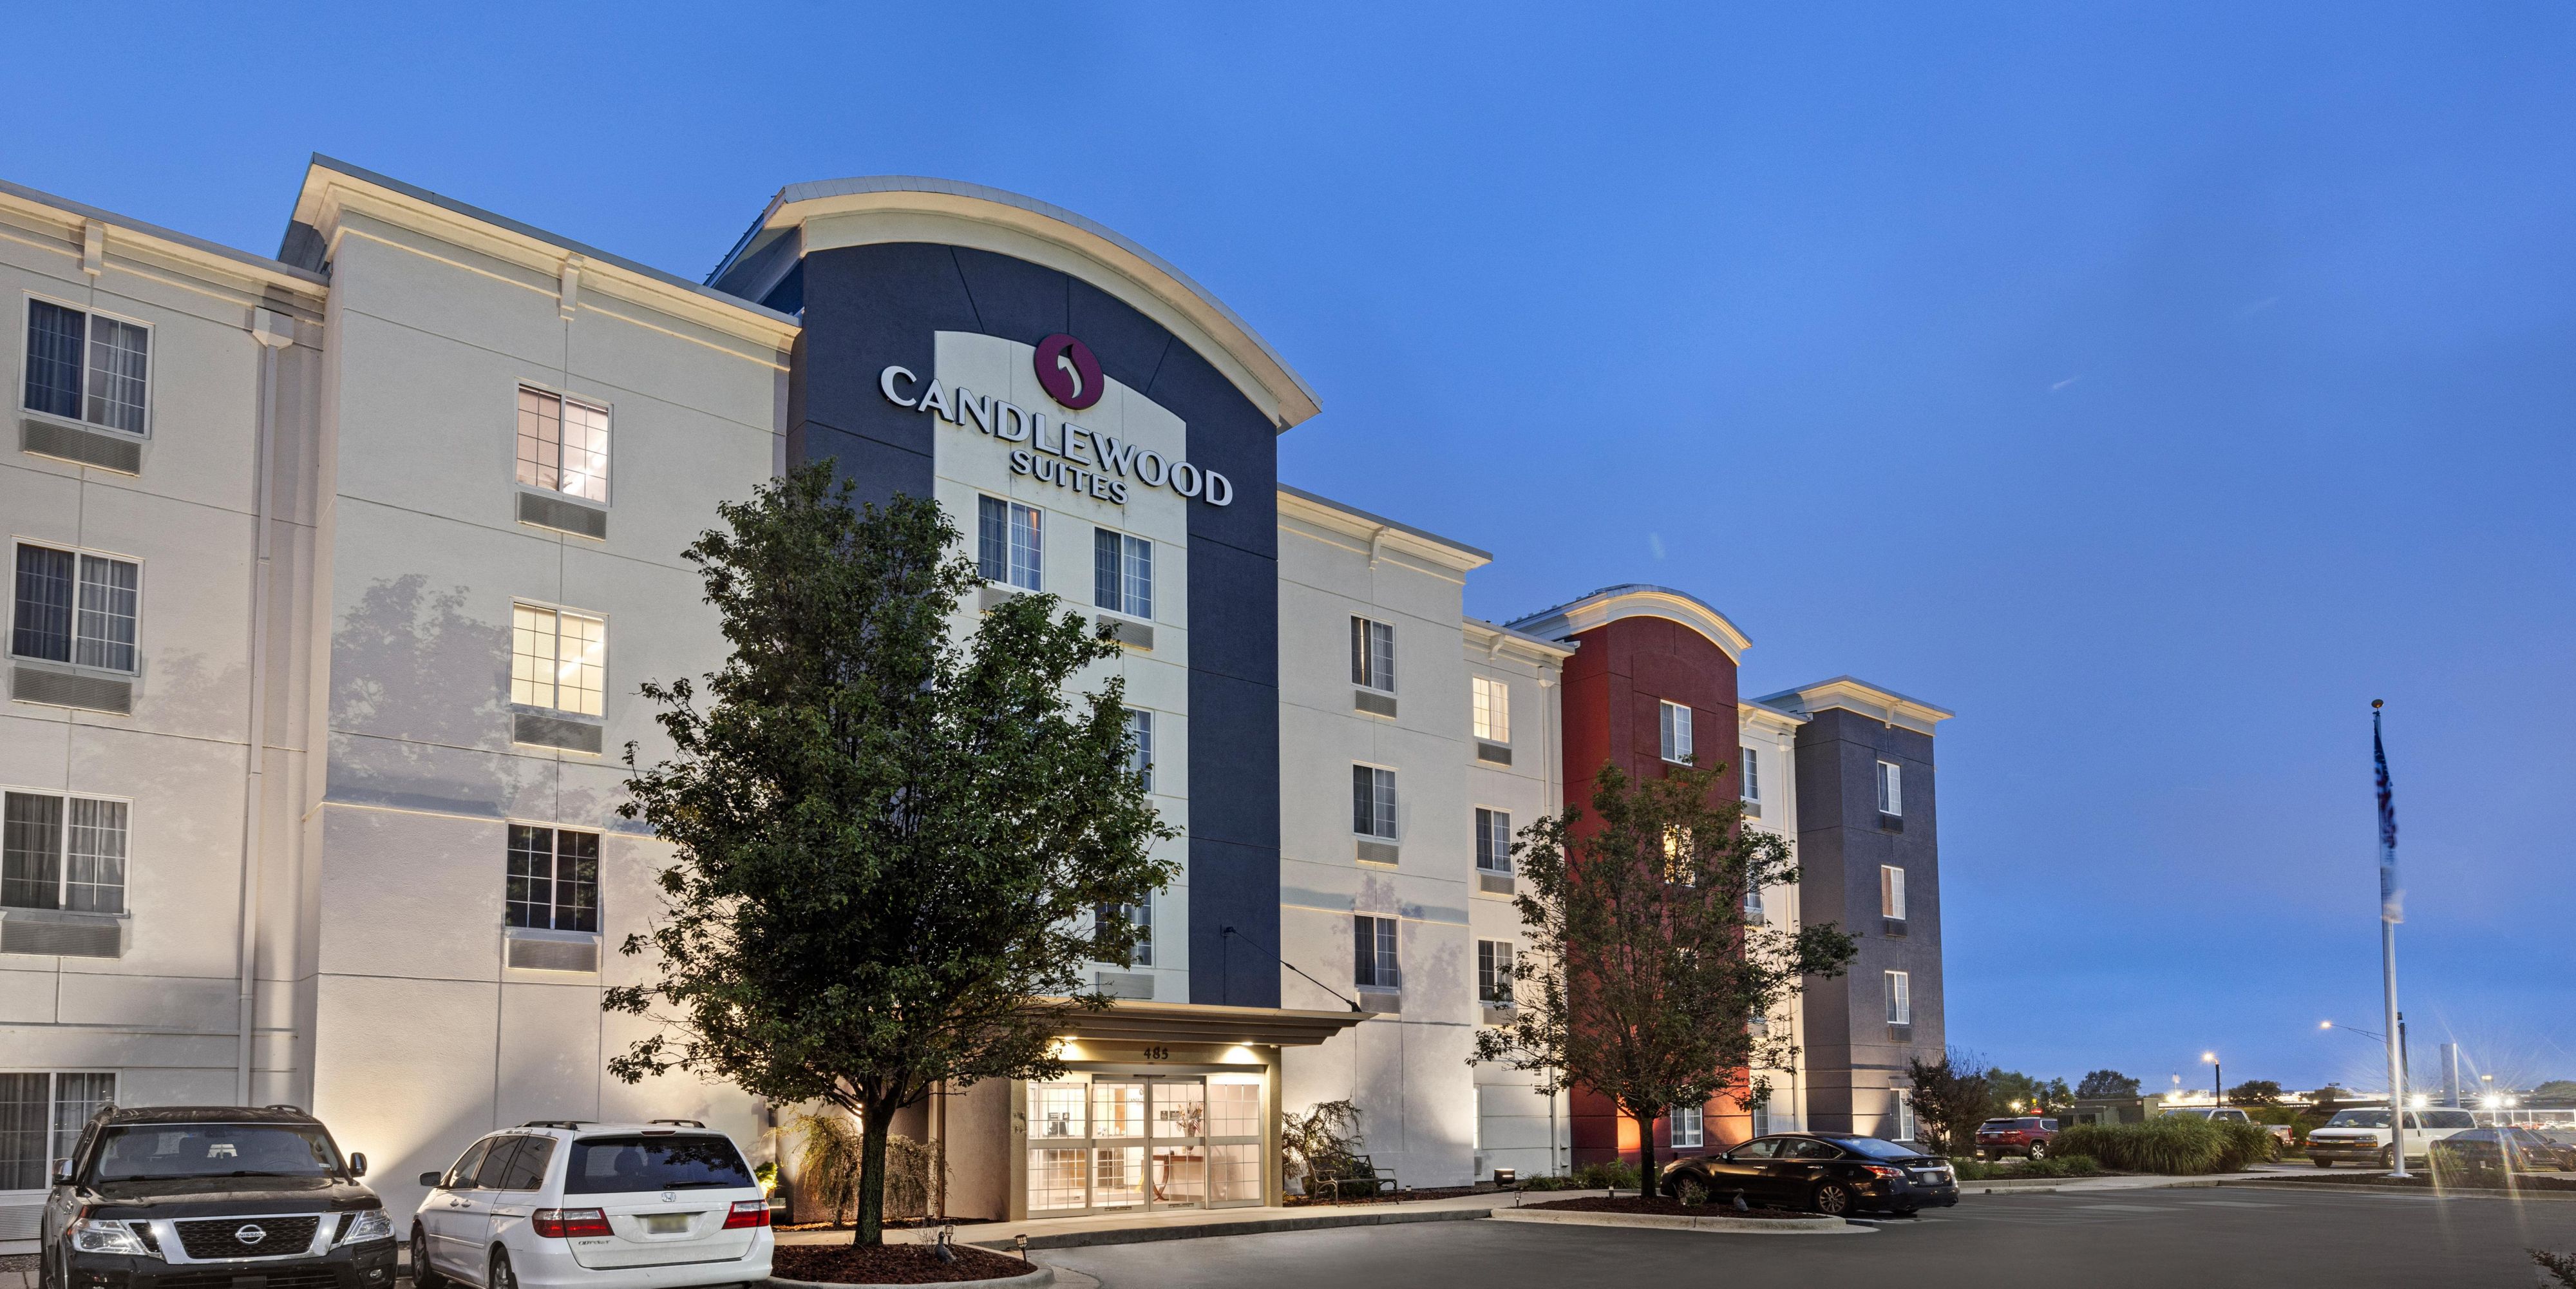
x=666 y=1223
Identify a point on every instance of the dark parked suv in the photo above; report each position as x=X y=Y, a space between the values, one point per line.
x=2028 y=1135
x=213 y=1197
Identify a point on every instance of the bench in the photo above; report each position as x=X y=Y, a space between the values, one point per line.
x=1351 y=1174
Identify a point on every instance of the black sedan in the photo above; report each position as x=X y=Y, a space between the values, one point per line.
x=2518 y=1150
x=1828 y=1173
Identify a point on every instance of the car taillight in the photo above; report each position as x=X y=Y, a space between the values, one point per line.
x=1882 y=1170
x=564 y=1223
x=747 y=1212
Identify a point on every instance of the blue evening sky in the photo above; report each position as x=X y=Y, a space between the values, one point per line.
x=2154 y=385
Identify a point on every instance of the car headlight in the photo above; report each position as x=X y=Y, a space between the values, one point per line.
x=99 y=1235
x=372 y=1224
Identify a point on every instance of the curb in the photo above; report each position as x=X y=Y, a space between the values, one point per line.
x=1037 y=1279
x=2075 y=1186
x=1712 y=1223
x=1213 y=1230
x=2369 y=1188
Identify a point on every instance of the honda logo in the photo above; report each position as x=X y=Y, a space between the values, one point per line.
x=250 y=1234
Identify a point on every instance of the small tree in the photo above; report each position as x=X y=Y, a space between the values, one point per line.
x=2034 y=1095
x=1951 y=1097
x=1650 y=980
x=2255 y=1092
x=2107 y=1083
x=893 y=835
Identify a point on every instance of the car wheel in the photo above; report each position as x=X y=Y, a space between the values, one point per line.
x=2388 y=1157
x=2322 y=1163
x=2039 y=1150
x=1833 y=1199
x=423 y=1275
x=502 y=1277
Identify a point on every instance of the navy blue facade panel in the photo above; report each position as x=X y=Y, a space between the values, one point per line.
x=870 y=306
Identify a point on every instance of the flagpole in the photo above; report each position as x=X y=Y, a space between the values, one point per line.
x=2391 y=911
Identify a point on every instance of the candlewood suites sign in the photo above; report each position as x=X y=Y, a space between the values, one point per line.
x=1090 y=462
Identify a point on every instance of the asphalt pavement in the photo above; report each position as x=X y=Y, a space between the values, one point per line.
x=2225 y=1237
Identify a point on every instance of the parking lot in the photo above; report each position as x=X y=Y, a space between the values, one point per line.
x=2155 y=1238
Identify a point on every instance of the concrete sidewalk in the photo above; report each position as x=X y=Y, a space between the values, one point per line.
x=1196 y=1223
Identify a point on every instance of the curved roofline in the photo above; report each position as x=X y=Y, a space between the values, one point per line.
x=1637 y=600
x=1282 y=393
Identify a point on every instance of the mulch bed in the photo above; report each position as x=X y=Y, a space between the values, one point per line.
x=1445 y=1192
x=1661 y=1207
x=890 y=1264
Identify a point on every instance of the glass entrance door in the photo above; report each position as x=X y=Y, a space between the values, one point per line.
x=1106 y=1142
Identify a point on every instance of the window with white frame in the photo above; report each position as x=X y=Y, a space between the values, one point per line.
x=1891 y=892
x=1900 y=998
x=1676 y=724
x=1753 y=911
x=1373 y=654
x=1493 y=841
x=41 y=1117
x=1891 y=788
x=1762 y=1117
x=76 y=607
x=62 y=852
x=554 y=879
x=1122 y=573
x=1688 y=1126
x=1752 y=781
x=1373 y=963
x=1139 y=916
x=1493 y=702
x=1140 y=746
x=1905 y=1126
x=558 y=659
x=1009 y=542
x=563 y=445
x=1373 y=802
x=88 y=366
x=1494 y=973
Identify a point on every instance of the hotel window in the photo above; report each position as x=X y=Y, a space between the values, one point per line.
x=1140 y=747
x=1752 y=782
x=1373 y=802
x=1373 y=954
x=554 y=879
x=1493 y=841
x=1891 y=892
x=1676 y=722
x=41 y=1117
x=1493 y=709
x=59 y=852
x=76 y=607
x=1753 y=914
x=563 y=445
x=1372 y=655
x=1007 y=542
x=1762 y=1117
x=1494 y=973
x=1900 y=998
x=1905 y=1126
x=87 y=366
x=1891 y=789
x=1122 y=573
x=558 y=660
x=1688 y=1125
x=1141 y=916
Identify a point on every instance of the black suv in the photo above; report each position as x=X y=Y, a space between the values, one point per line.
x=213 y=1197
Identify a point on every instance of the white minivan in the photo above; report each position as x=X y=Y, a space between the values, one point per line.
x=2359 y=1134
x=561 y=1203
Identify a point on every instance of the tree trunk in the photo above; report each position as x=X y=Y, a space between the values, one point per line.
x=877 y=1120
x=1647 y=1184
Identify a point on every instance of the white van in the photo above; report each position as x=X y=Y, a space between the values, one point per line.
x=560 y=1204
x=2359 y=1134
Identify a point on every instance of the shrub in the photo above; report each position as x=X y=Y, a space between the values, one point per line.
x=1973 y=1170
x=2178 y=1146
x=1557 y=1183
x=2243 y=1145
x=1616 y=1175
x=2560 y=1266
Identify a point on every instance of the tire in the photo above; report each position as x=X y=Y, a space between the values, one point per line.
x=2388 y=1157
x=1833 y=1199
x=501 y=1277
x=423 y=1275
x=2322 y=1163
x=2039 y=1150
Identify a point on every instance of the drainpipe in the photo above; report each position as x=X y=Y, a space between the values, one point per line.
x=274 y=332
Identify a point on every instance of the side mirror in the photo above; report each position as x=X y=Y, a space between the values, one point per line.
x=429 y=1180
x=62 y=1172
x=358 y=1164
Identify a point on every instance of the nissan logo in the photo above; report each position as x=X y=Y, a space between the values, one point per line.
x=1068 y=372
x=250 y=1234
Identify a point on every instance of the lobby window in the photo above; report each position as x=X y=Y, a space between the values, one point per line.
x=76 y=607
x=1891 y=789
x=1140 y=916
x=1007 y=542
x=1493 y=700
x=1373 y=802
x=41 y=1117
x=1675 y=720
x=563 y=445
x=1891 y=892
x=62 y=852
x=558 y=660
x=1140 y=746
x=1689 y=1125
x=1122 y=573
x=554 y=879
x=1493 y=841
x=87 y=366
x=1752 y=781
x=1494 y=973
x=1900 y=998
x=1373 y=954
x=1373 y=655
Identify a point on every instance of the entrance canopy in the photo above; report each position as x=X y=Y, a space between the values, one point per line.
x=1131 y=1020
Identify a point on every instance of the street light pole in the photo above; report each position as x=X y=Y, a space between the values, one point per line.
x=2390 y=910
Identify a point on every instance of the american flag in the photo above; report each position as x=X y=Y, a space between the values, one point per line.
x=2392 y=900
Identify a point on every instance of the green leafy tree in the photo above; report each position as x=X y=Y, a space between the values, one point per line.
x=2013 y=1092
x=1652 y=978
x=2556 y=1089
x=2106 y=1083
x=1951 y=1097
x=2255 y=1092
x=899 y=841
